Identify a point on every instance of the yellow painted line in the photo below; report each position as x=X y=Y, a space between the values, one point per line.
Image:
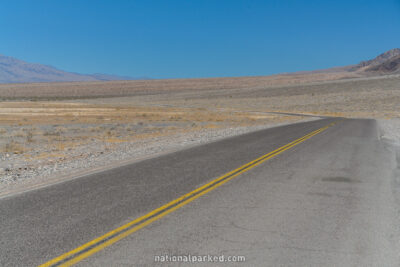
x=84 y=251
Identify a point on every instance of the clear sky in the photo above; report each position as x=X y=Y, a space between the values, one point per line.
x=203 y=38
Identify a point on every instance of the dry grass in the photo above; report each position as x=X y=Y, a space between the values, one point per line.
x=13 y=147
x=56 y=128
x=41 y=113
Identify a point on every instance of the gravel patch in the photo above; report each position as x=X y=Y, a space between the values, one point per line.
x=390 y=130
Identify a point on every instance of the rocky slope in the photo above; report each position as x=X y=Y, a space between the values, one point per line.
x=391 y=66
x=386 y=63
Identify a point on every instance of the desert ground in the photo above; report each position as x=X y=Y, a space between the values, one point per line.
x=52 y=130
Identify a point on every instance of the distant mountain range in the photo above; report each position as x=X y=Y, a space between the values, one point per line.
x=13 y=70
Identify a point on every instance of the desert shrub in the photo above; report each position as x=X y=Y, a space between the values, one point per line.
x=13 y=147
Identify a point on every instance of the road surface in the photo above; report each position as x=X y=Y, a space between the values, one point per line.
x=328 y=198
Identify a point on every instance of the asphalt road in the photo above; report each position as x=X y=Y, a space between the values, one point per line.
x=330 y=200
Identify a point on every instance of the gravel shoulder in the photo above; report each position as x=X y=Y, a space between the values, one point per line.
x=390 y=134
x=390 y=130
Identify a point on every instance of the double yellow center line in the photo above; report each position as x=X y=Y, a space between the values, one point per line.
x=84 y=251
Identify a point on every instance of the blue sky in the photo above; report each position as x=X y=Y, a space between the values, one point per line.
x=204 y=38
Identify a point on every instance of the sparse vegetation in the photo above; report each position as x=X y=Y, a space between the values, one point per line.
x=29 y=137
x=62 y=131
x=13 y=147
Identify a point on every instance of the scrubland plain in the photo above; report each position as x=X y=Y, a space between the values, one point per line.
x=50 y=129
